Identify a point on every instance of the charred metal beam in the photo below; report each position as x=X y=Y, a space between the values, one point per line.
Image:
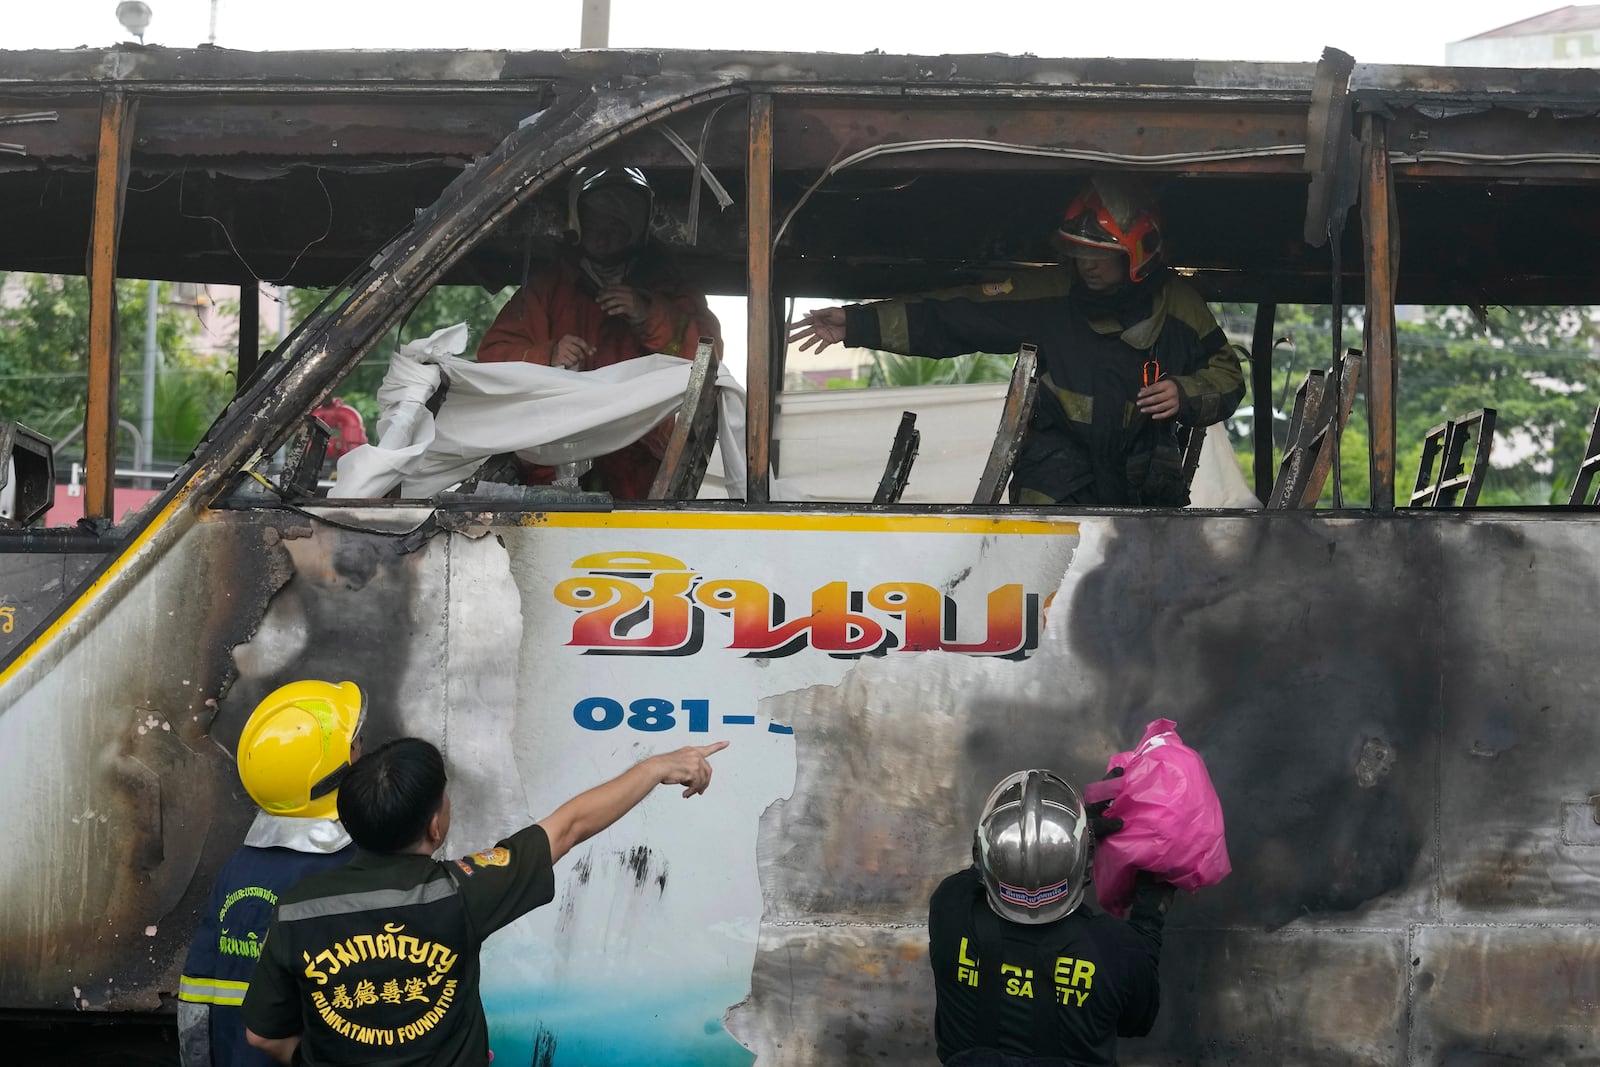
x=22 y=118
x=1329 y=158
x=1582 y=482
x=330 y=127
x=245 y=130
x=1442 y=478
x=902 y=455
x=1380 y=235
x=111 y=182
x=73 y=132
x=762 y=378
x=325 y=347
x=694 y=434
x=1014 y=416
x=178 y=69
x=1261 y=395
x=249 y=332
x=1513 y=141
x=1230 y=137
x=1400 y=86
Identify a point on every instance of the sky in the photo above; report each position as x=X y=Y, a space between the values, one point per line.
x=1374 y=31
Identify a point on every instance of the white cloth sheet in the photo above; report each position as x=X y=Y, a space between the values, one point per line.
x=553 y=416
x=546 y=415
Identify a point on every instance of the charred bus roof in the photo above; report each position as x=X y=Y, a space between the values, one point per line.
x=914 y=171
x=777 y=175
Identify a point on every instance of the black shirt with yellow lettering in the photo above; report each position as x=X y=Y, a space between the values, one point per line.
x=377 y=962
x=1062 y=991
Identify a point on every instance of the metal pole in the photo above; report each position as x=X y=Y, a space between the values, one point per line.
x=211 y=38
x=595 y=30
x=1261 y=395
x=147 y=421
x=111 y=180
x=1336 y=368
x=1377 y=207
x=249 y=332
x=759 y=385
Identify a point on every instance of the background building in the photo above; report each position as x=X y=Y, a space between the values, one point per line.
x=1566 y=37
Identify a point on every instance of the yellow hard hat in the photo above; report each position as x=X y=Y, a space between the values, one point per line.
x=296 y=747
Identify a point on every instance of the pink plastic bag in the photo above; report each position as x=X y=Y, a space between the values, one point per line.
x=1171 y=819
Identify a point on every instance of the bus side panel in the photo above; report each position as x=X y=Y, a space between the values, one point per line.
x=645 y=638
x=1395 y=713
x=32 y=585
x=113 y=786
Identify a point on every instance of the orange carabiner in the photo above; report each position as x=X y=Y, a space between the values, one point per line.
x=1152 y=372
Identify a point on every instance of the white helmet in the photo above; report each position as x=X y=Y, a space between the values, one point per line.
x=1032 y=847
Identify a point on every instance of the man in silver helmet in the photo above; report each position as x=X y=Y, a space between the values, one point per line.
x=1025 y=973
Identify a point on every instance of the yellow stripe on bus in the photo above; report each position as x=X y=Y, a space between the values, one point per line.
x=116 y=567
x=684 y=520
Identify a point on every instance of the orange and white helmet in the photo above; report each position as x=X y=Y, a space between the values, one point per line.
x=1112 y=215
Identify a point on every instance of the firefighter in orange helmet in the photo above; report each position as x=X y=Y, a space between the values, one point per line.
x=1128 y=351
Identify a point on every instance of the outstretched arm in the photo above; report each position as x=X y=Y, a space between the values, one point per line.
x=595 y=809
x=818 y=329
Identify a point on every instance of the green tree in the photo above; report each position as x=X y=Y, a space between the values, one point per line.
x=190 y=391
x=44 y=345
x=1536 y=366
x=445 y=305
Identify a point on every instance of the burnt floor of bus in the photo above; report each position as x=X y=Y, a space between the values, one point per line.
x=80 y=1039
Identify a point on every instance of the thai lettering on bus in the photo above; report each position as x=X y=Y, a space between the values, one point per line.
x=646 y=603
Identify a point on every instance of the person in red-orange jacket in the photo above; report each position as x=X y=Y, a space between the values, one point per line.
x=617 y=296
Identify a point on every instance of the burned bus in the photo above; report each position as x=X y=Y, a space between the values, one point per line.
x=1390 y=695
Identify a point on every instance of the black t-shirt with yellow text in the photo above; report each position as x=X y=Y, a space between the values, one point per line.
x=377 y=961
x=1100 y=973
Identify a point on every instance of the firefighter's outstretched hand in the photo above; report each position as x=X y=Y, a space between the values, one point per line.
x=1160 y=400
x=570 y=352
x=689 y=767
x=631 y=304
x=819 y=329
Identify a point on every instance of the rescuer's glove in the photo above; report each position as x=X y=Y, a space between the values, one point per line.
x=1101 y=824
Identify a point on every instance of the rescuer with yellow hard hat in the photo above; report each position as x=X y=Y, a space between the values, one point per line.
x=298 y=745
x=296 y=748
x=300 y=1006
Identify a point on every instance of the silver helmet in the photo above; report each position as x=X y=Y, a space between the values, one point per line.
x=1032 y=847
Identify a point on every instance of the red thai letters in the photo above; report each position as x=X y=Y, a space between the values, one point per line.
x=646 y=603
